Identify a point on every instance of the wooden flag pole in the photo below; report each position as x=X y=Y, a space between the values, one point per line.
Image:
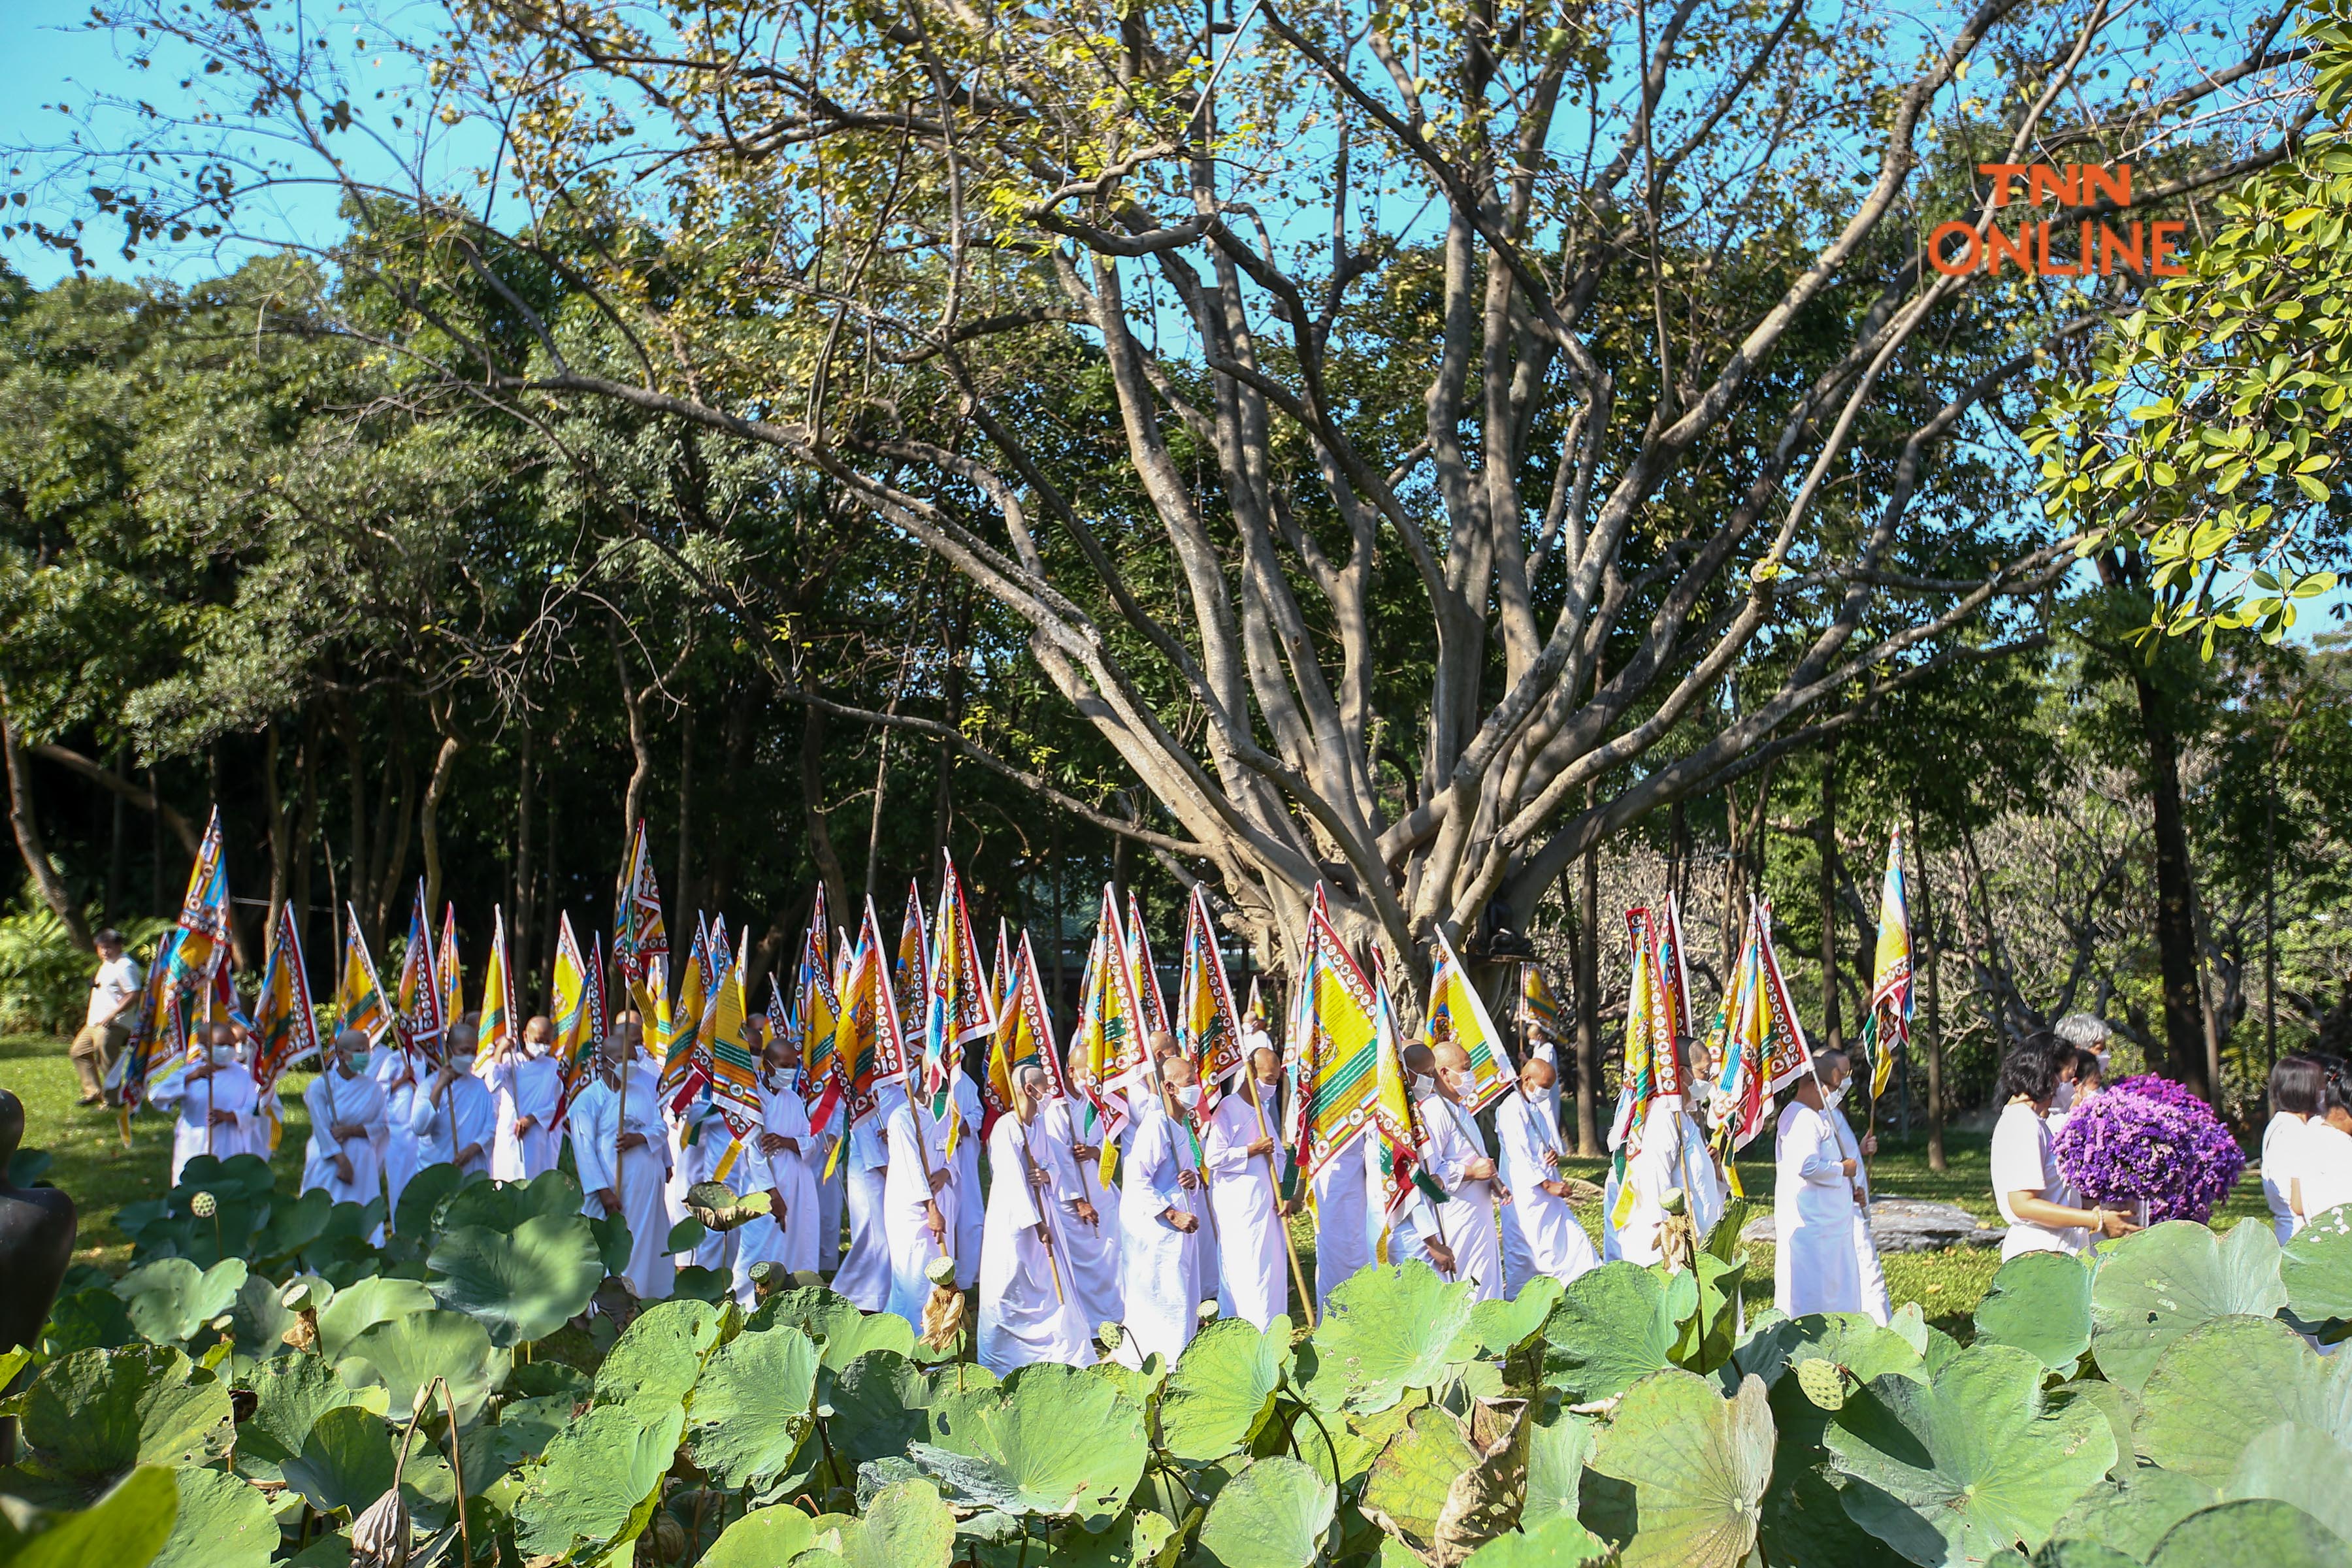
x=1274 y=1193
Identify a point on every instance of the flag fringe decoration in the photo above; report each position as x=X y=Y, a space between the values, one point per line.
x=1111 y=1050
x=957 y=1007
x=1456 y=1012
x=1208 y=1032
x=1763 y=1043
x=641 y=938
x=285 y=1028
x=1144 y=972
x=1887 y=1028
x=448 y=974
x=1337 y=1052
x=418 y=1022
x=1024 y=1032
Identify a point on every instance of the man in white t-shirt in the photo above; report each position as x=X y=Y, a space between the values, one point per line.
x=105 y=1029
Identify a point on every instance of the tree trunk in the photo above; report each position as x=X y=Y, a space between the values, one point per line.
x=1588 y=1008
x=2175 y=926
x=1926 y=953
x=347 y=730
x=394 y=869
x=633 y=702
x=114 y=844
x=552 y=906
x=305 y=831
x=1832 y=1035
x=46 y=879
x=428 y=820
x=735 y=738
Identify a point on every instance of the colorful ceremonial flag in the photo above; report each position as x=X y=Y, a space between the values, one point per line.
x=600 y=1002
x=956 y=1007
x=816 y=1010
x=1257 y=1007
x=358 y=997
x=1024 y=1032
x=1456 y=1011
x=1536 y=999
x=285 y=1029
x=420 y=1024
x=448 y=973
x=1207 y=1030
x=197 y=946
x=1764 y=1045
x=1339 y=1053
x=734 y=1064
x=1146 y=973
x=1673 y=977
x=641 y=940
x=1648 y=1048
x=910 y=975
x=1888 y=1027
x=578 y=1028
x=1397 y=1158
x=499 y=1026
x=673 y=1033
x=999 y=973
x=1111 y=1048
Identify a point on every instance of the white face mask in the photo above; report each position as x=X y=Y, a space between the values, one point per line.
x=1423 y=1085
x=1830 y=1097
x=221 y=1056
x=1188 y=1096
x=531 y=1047
x=2063 y=1099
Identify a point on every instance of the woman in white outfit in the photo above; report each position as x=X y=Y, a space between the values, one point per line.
x=2026 y=1187
x=2297 y=1084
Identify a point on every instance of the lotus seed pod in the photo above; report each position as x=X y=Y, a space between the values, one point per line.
x=1674 y=1202
x=939 y=1270
x=1109 y=1333
x=1823 y=1382
x=380 y=1534
x=204 y=1205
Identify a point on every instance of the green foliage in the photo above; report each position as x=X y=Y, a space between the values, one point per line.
x=751 y=1407
x=2039 y=1302
x=1690 y=1469
x=2315 y=1268
x=44 y=977
x=1222 y=1390
x=1274 y=1514
x=1615 y=1326
x=522 y=1284
x=1384 y=1330
x=125 y=1529
x=2175 y=1277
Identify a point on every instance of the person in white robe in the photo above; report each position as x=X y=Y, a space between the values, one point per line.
x=216 y=1099
x=972 y=1215
x=816 y=1156
x=1870 y=1274
x=698 y=1140
x=1028 y=1312
x=864 y=1275
x=525 y=1085
x=1458 y=1158
x=395 y=1074
x=919 y=1197
x=623 y=1157
x=1160 y=1281
x=452 y=1117
x=1090 y=1240
x=1344 y=1226
x=1243 y=1161
x=1556 y=1244
x=347 y=1120
x=1674 y=1155
x=1814 y=1208
x=775 y=1161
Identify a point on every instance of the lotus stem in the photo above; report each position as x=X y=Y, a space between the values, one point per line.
x=457 y=1464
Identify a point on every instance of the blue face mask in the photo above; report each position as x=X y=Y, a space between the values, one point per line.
x=359 y=1062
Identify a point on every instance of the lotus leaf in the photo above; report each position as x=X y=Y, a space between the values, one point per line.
x=408 y=1353
x=506 y=1205
x=1139 y=1538
x=2131 y=1515
x=881 y=1403
x=1557 y=1452
x=1558 y=1542
x=361 y=1307
x=905 y=1526
x=2317 y=1269
x=2225 y=1382
x=1054 y=1441
x=1968 y=1463
x=171 y=1297
x=1499 y=1327
x=2068 y=1555
x=1692 y=1467
x=94 y=1414
x=125 y=1529
x=294 y=1223
x=1384 y=1331
x=521 y=1285
x=2039 y=1302
x=2157 y=1286
x=2293 y=1463
x=94 y=1319
x=1274 y=1514
x=258 y=1319
x=422 y=1196
x=752 y=1407
x=1221 y=1389
x=288 y=1397
x=1615 y=1326
x=2256 y=1533
x=2116 y=1404
x=1849 y=1340
x=764 y=1538
x=1708 y=1320
x=842 y=1332
x=660 y=1354
x=1445 y=1485
x=600 y=1481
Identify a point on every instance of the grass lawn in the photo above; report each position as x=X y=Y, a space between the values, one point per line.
x=89 y=1162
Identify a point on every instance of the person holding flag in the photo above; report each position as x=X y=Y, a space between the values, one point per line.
x=1090 y=1245
x=526 y=1088
x=786 y=1235
x=1876 y=1299
x=344 y=1156
x=865 y=1052
x=1028 y=1312
x=215 y=1096
x=920 y=1193
x=1332 y=1068
x=1814 y=1200
x=452 y=1117
x=1458 y=1161
x=623 y=1157
x=1528 y=1130
x=1159 y=1247
x=1245 y=1163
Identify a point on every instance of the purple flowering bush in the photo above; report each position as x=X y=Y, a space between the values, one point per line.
x=2147 y=1136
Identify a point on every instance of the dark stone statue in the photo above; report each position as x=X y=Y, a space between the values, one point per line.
x=36 y=1239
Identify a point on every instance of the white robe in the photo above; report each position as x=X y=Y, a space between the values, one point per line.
x=1090 y=1252
x=1468 y=1215
x=524 y=1085
x=792 y=1244
x=1673 y=1154
x=971 y=1215
x=229 y=1092
x=864 y=1275
x=467 y=1103
x=699 y=1137
x=597 y=1121
x=395 y=1071
x=1242 y=1192
x=1160 y=1279
x=919 y=1147
x=1343 y=1244
x=1869 y=1276
x=358 y=1101
x=1556 y=1244
x=814 y=1154
x=1028 y=1312
x=1813 y=1266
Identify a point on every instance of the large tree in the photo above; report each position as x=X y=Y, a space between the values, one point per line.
x=1388 y=425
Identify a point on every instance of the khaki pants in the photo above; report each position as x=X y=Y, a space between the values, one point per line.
x=94 y=1051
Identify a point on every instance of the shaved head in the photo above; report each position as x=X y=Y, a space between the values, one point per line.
x=1264 y=1063
x=1450 y=1055
x=1179 y=1072
x=1537 y=1074
x=1416 y=1058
